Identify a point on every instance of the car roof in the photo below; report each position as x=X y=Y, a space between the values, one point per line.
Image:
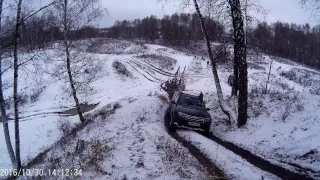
x=192 y=92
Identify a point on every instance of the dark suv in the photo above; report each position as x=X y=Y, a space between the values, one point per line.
x=187 y=110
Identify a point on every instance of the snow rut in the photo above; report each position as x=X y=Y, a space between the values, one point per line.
x=156 y=74
x=260 y=162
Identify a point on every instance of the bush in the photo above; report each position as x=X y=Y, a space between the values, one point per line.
x=315 y=90
x=95 y=154
x=301 y=76
x=23 y=99
x=116 y=106
x=8 y=103
x=34 y=97
x=64 y=126
x=287 y=100
x=121 y=69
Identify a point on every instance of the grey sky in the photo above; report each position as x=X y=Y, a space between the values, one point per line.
x=283 y=10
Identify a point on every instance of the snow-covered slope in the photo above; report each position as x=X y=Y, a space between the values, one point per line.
x=282 y=125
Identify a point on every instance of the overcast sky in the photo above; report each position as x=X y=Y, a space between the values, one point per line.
x=283 y=10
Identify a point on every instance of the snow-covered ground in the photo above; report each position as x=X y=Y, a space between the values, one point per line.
x=283 y=124
x=231 y=164
x=130 y=144
x=282 y=127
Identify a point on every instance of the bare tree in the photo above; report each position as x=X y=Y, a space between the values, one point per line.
x=240 y=60
x=2 y=103
x=15 y=86
x=16 y=64
x=227 y=110
x=314 y=6
x=74 y=14
x=268 y=78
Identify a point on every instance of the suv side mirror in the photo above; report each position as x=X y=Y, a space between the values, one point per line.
x=208 y=109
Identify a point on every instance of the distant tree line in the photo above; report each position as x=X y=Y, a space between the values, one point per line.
x=299 y=43
x=39 y=30
x=296 y=42
x=175 y=29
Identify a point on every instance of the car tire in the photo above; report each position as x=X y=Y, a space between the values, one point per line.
x=206 y=132
x=167 y=118
x=172 y=126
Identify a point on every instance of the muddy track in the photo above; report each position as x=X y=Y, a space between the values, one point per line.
x=259 y=162
x=211 y=168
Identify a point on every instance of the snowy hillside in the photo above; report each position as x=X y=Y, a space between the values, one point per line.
x=127 y=138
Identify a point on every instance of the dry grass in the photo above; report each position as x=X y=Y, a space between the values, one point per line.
x=173 y=154
x=163 y=98
x=64 y=126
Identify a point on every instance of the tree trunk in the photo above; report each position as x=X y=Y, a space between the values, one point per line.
x=4 y=117
x=15 y=87
x=240 y=57
x=66 y=43
x=227 y=110
x=266 y=89
x=234 y=91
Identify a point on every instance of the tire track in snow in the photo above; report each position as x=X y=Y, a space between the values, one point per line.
x=258 y=161
x=194 y=151
x=140 y=72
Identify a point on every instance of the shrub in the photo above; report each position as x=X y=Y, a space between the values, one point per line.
x=64 y=126
x=301 y=76
x=299 y=107
x=286 y=112
x=121 y=69
x=36 y=94
x=116 y=106
x=95 y=154
x=8 y=103
x=315 y=90
x=23 y=99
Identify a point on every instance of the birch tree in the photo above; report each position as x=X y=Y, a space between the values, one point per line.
x=4 y=116
x=227 y=110
x=15 y=87
x=240 y=56
x=72 y=15
x=19 y=20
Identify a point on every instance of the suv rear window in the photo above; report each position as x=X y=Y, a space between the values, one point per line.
x=187 y=100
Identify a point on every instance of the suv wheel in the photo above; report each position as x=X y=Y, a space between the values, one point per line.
x=172 y=127
x=206 y=132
